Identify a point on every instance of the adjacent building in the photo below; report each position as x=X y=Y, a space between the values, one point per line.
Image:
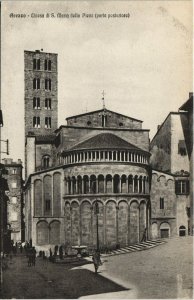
x=171 y=176
x=15 y=214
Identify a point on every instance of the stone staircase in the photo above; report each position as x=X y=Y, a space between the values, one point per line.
x=136 y=247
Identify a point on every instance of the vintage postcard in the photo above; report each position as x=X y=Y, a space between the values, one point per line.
x=96 y=150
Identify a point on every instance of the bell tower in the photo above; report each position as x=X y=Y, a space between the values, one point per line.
x=40 y=92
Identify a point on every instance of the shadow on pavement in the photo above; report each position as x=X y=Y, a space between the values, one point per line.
x=54 y=281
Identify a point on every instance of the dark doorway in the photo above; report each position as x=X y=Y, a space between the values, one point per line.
x=164 y=233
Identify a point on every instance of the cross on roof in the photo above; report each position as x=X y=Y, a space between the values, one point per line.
x=103 y=101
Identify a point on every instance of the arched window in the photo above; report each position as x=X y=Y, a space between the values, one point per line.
x=48 y=122
x=46 y=161
x=48 y=103
x=48 y=84
x=36 y=122
x=36 y=64
x=36 y=103
x=47 y=64
x=36 y=83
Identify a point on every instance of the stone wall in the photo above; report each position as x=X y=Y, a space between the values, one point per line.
x=160 y=147
x=94 y=119
x=163 y=186
x=178 y=161
x=71 y=136
x=29 y=75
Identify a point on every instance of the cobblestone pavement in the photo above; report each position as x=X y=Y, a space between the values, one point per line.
x=162 y=272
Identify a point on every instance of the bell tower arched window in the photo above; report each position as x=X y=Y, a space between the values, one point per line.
x=46 y=161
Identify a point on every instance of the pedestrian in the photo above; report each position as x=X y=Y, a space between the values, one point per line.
x=33 y=256
x=96 y=260
x=144 y=236
x=21 y=249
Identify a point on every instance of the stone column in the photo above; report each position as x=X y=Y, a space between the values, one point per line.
x=95 y=156
x=127 y=183
x=112 y=155
x=117 y=224
x=71 y=184
x=112 y=184
x=89 y=183
x=104 y=184
x=120 y=185
x=82 y=186
x=76 y=186
x=116 y=155
x=138 y=183
x=104 y=222
x=97 y=185
x=120 y=158
x=133 y=179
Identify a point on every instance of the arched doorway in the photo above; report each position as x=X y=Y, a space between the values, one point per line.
x=164 y=230
x=182 y=230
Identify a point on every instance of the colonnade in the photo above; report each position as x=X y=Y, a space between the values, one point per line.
x=95 y=184
x=105 y=156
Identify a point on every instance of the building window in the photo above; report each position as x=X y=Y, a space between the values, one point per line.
x=14 y=200
x=36 y=122
x=182 y=148
x=48 y=103
x=48 y=84
x=161 y=203
x=14 y=185
x=36 y=64
x=14 y=171
x=48 y=122
x=47 y=64
x=36 y=83
x=104 y=120
x=182 y=187
x=47 y=205
x=45 y=161
x=36 y=103
x=89 y=123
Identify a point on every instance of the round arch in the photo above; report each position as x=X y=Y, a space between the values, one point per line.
x=54 y=232
x=164 y=230
x=42 y=231
x=182 y=230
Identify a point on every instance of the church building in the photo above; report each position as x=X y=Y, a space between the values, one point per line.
x=91 y=177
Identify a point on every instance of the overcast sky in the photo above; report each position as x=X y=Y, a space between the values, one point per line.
x=144 y=62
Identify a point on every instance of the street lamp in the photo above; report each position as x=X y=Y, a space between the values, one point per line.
x=97 y=235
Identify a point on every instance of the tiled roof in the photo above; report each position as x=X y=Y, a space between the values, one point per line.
x=104 y=141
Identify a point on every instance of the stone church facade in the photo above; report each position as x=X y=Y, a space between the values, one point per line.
x=97 y=167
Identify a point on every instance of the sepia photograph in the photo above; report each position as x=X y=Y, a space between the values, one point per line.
x=96 y=149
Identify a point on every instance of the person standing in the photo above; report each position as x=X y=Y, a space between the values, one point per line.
x=33 y=256
x=96 y=260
